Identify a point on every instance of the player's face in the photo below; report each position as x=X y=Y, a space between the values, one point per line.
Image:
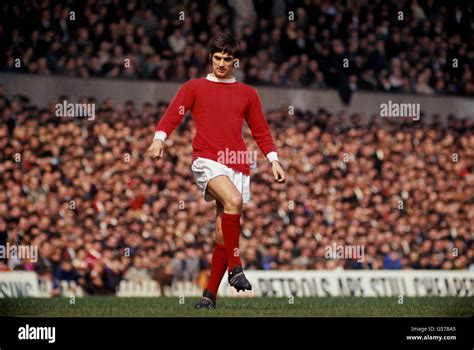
x=222 y=65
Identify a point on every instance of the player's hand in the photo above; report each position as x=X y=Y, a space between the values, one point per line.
x=278 y=172
x=156 y=149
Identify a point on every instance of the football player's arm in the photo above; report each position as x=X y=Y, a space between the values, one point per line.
x=262 y=135
x=181 y=103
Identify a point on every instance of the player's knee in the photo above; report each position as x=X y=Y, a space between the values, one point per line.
x=234 y=204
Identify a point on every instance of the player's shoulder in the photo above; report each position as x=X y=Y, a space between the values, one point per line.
x=192 y=82
x=247 y=88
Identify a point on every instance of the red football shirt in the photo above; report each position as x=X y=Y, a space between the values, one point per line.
x=219 y=110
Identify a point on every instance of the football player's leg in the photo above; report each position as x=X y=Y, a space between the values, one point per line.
x=227 y=194
x=218 y=263
x=219 y=238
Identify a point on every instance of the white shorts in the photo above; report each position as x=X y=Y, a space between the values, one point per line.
x=205 y=169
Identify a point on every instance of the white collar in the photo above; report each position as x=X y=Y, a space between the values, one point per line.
x=213 y=78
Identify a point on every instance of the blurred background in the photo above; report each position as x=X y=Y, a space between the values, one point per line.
x=105 y=217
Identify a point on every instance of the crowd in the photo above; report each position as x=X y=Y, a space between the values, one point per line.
x=101 y=211
x=417 y=46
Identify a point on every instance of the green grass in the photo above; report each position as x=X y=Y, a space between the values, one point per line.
x=316 y=307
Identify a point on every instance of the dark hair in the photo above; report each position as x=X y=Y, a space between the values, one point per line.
x=224 y=42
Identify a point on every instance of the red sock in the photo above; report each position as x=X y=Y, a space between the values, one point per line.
x=218 y=267
x=231 y=233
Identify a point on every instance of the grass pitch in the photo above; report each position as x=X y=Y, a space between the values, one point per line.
x=241 y=307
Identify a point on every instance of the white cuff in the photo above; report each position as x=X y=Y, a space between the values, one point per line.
x=271 y=156
x=160 y=135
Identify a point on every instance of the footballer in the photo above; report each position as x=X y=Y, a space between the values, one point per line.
x=219 y=106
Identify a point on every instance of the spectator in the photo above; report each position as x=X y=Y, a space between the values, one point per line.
x=428 y=52
x=126 y=221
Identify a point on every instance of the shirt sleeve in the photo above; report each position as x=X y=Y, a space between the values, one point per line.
x=180 y=104
x=258 y=125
